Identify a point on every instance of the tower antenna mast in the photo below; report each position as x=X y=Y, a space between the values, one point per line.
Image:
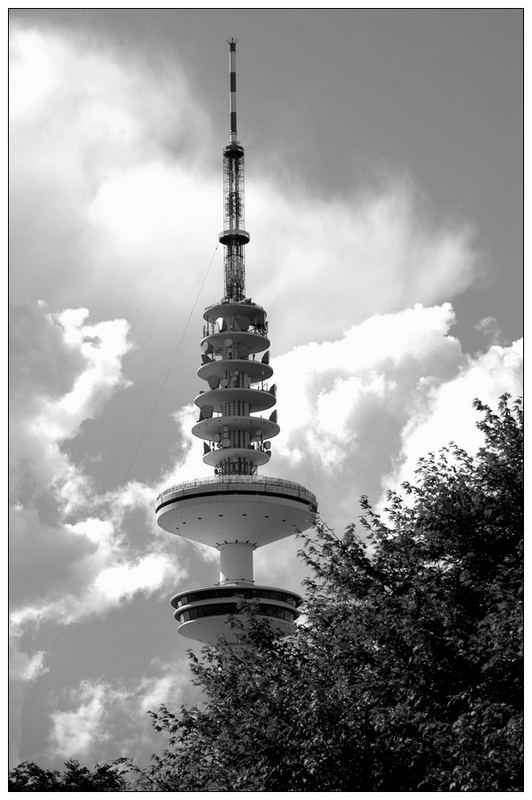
x=233 y=236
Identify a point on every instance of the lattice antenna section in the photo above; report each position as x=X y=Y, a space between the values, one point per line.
x=233 y=236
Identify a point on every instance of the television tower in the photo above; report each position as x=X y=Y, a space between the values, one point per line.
x=237 y=510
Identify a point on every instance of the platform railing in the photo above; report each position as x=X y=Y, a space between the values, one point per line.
x=262 y=483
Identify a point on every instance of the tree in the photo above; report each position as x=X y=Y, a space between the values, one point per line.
x=407 y=672
x=29 y=777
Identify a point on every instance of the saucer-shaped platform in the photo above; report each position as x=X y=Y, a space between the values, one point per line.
x=239 y=508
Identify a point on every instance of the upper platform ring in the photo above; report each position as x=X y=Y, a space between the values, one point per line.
x=244 y=484
x=236 y=508
x=233 y=235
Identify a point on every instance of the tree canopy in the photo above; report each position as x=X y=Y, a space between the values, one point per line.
x=405 y=673
x=29 y=777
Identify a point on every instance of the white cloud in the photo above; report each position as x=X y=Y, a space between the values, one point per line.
x=34 y=75
x=100 y=581
x=381 y=243
x=75 y=731
x=489 y=328
x=106 y=719
x=154 y=692
x=357 y=413
x=69 y=544
x=102 y=345
x=26 y=667
x=105 y=162
x=122 y=581
x=39 y=431
x=446 y=413
x=326 y=388
x=71 y=547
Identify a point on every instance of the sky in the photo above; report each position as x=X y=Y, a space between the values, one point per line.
x=384 y=202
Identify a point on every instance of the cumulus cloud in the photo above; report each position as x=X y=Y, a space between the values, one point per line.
x=70 y=546
x=74 y=731
x=381 y=242
x=105 y=162
x=42 y=418
x=489 y=328
x=357 y=413
x=343 y=403
x=107 y=719
x=70 y=563
x=24 y=668
x=80 y=367
x=446 y=413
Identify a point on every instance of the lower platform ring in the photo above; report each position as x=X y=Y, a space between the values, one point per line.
x=202 y=614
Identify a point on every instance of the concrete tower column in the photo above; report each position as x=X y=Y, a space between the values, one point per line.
x=236 y=562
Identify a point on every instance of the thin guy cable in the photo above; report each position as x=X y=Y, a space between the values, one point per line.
x=170 y=366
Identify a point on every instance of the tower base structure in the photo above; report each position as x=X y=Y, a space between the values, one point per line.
x=235 y=514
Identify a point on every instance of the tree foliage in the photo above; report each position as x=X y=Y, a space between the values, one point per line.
x=29 y=777
x=407 y=674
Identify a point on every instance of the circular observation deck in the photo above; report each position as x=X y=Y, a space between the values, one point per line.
x=236 y=508
x=256 y=399
x=202 y=614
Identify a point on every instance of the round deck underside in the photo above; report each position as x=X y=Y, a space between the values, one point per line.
x=214 y=514
x=207 y=630
x=233 y=235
